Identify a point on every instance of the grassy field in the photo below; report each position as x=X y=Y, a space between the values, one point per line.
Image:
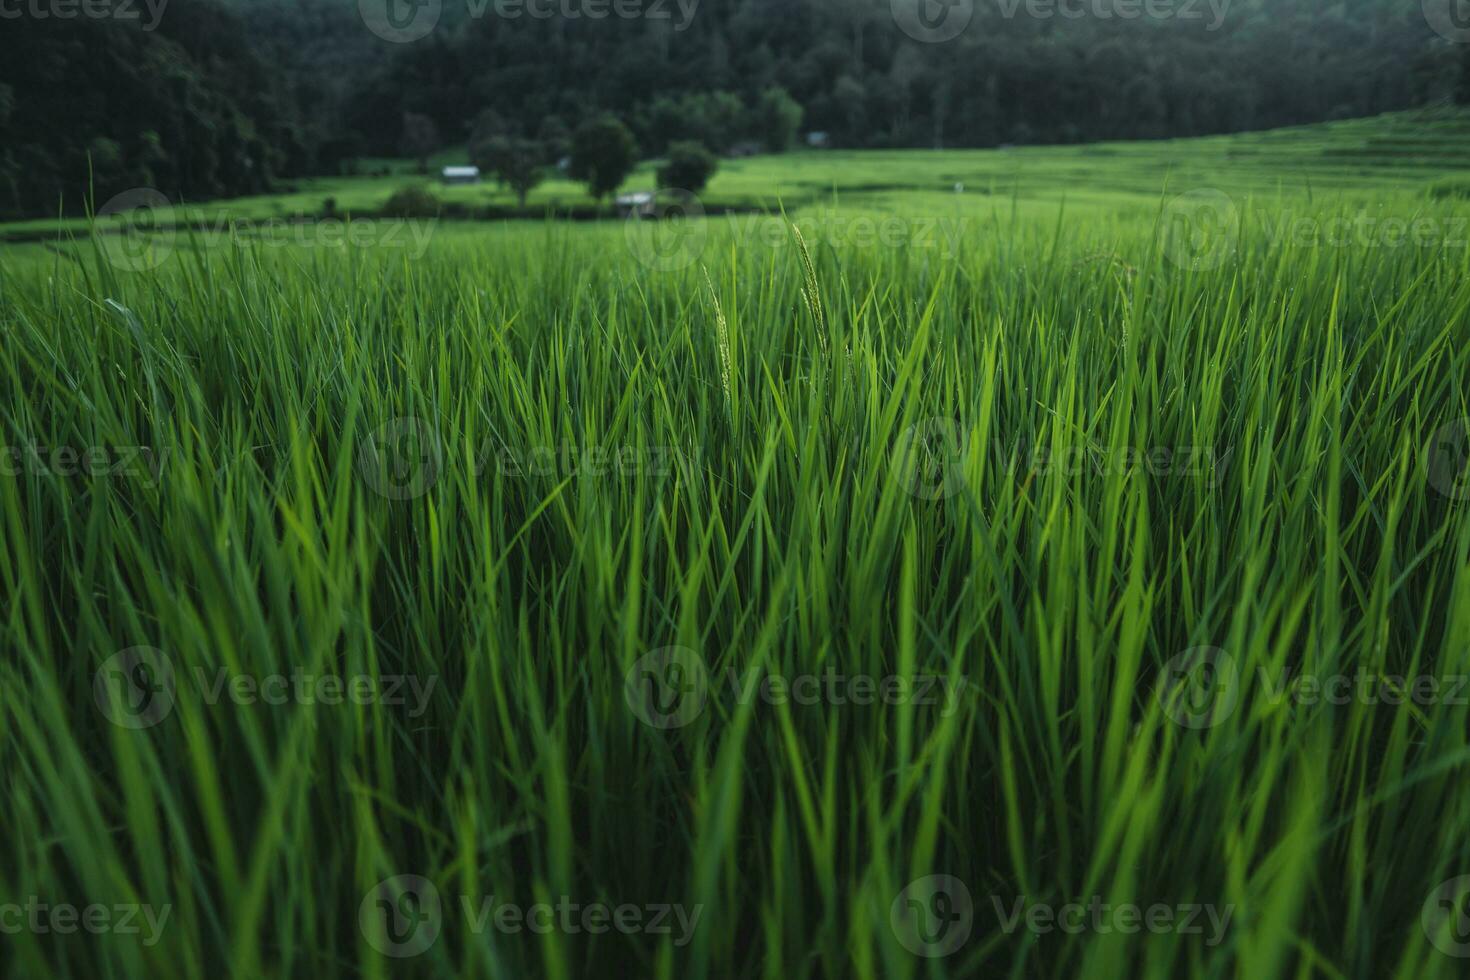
x=1409 y=152
x=1068 y=577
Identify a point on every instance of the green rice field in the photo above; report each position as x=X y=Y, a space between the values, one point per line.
x=1036 y=562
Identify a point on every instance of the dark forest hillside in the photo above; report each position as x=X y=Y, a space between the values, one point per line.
x=229 y=98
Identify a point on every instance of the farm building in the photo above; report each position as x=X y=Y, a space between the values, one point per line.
x=461 y=175
x=639 y=203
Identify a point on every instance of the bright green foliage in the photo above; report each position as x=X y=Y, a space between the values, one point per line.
x=601 y=459
x=688 y=168
x=604 y=153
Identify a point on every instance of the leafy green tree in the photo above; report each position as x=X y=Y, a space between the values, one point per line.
x=662 y=121
x=604 y=153
x=420 y=138
x=555 y=138
x=516 y=163
x=488 y=123
x=487 y=126
x=778 y=119
x=689 y=168
x=725 y=119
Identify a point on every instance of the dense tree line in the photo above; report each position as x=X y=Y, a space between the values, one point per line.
x=192 y=107
x=1005 y=79
x=228 y=96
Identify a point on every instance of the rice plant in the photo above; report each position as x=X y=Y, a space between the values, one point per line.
x=1082 y=595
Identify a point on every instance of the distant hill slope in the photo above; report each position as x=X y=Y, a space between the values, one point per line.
x=227 y=96
x=1410 y=153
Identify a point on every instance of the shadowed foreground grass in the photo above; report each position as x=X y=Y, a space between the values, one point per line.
x=463 y=575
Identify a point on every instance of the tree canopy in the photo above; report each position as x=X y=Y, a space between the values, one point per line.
x=229 y=97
